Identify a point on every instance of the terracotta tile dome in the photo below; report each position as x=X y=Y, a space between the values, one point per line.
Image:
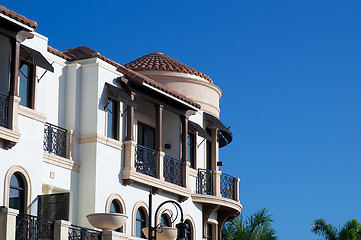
x=159 y=62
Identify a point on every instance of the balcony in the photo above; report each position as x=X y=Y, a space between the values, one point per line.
x=22 y=226
x=55 y=140
x=30 y=227
x=155 y=169
x=217 y=190
x=57 y=146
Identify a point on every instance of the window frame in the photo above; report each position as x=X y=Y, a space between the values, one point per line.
x=115 y=118
x=31 y=84
x=192 y=149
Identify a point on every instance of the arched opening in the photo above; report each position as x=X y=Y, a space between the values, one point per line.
x=17 y=192
x=115 y=204
x=140 y=222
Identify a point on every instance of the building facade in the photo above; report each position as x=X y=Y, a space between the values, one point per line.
x=82 y=134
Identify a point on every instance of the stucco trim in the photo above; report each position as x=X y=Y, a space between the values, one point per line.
x=100 y=139
x=61 y=162
x=137 y=205
x=9 y=135
x=26 y=177
x=31 y=113
x=155 y=182
x=216 y=200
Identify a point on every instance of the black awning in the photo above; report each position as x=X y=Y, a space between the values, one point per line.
x=120 y=95
x=225 y=136
x=200 y=130
x=37 y=58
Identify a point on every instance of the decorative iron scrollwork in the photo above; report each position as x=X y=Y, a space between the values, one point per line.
x=30 y=227
x=81 y=233
x=173 y=170
x=227 y=186
x=145 y=160
x=55 y=139
x=205 y=182
x=4 y=110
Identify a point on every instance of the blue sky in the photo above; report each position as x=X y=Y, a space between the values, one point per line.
x=290 y=74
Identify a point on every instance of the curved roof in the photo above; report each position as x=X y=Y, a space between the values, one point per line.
x=160 y=62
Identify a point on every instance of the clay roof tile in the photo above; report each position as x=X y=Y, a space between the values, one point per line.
x=158 y=61
x=18 y=17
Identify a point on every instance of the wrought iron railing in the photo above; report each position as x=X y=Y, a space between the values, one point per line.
x=227 y=186
x=4 y=110
x=173 y=170
x=55 y=139
x=205 y=181
x=145 y=160
x=30 y=227
x=81 y=233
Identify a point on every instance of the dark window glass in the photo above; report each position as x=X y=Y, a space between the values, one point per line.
x=17 y=193
x=164 y=221
x=188 y=230
x=54 y=206
x=112 y=126
x=140 y=223
x=209 y=151
x=191 y=148
x=26 y=84
x=209 y=231
x=146 y=136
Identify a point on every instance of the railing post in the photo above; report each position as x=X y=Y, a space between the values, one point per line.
x=186 y=166
x=160 y=165
x=8 y=223
x=236 y=189
x=13 y=112
x=69 y=144
x=217 y=183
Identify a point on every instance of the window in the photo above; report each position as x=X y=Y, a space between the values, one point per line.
x=116 y=208
x=112 y=122
x=146 y=136
x=192 y=149
x=209 y=231
x=17 y=193
x=26 y=84
x=140 y=223
x=164 y=221
x=188 y=230
x=209 y=152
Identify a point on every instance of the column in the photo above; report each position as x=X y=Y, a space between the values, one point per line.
x=184 y=121
x=8 y=223
x=158 y=139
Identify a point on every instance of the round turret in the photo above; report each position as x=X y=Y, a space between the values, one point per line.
x=181 y=78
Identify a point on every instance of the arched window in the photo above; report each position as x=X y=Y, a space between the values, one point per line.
x=164 y=221
x=140 y=223
x=115 y=207
x=17 y=192
x=189 y=230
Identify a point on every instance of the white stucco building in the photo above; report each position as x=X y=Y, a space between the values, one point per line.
x=82 y=134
